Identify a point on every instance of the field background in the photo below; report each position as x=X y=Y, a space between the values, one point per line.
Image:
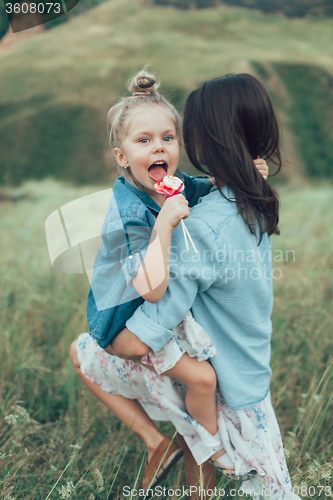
x=55 y=91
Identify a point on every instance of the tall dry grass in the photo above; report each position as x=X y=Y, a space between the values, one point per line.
x=56 y=440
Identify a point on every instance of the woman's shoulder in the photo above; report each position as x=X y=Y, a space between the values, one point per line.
x=215 y=209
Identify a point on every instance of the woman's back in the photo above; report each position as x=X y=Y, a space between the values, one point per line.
x=239 y=302
x=228 y=286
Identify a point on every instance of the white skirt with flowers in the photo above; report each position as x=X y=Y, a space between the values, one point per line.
x=250 y=436
x=189 y=337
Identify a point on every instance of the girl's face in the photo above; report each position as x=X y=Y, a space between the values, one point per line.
x=150 y=147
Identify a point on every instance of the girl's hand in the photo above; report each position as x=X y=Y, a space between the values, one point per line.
x=212 y=181
x=174 y=209
x=262 y=167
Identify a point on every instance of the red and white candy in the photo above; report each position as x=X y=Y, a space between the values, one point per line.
x=171 y=186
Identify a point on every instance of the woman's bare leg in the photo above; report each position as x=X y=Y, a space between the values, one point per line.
x=192 y=472
x=129 y=411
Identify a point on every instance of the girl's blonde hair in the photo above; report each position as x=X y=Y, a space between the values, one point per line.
x=144 y=92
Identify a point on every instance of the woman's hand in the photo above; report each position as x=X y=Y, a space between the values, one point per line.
x=174 y=209
x=262 y=167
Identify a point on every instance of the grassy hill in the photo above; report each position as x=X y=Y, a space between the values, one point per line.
x=44 y=408
x=55 y=91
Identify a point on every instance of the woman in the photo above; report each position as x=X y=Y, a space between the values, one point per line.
x=228 y=122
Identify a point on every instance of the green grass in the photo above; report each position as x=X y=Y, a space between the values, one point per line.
x=55 y=90
x=43 y=311
x=305 y=94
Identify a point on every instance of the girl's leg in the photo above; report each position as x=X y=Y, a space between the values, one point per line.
x=192 y=472
x=200 y=380
x=129 y=411
x=198 y=376
x=200 y=399
x=126 y=345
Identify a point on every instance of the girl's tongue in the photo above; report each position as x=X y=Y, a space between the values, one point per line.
x=157 y=173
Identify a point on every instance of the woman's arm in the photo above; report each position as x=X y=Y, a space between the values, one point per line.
x=190 y=274
x=152 y=324
x=261 y=165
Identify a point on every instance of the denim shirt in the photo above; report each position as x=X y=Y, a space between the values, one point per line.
x=126 y=233
x=228 y=287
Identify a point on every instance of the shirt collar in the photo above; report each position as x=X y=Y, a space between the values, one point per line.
x=226 y=190
x=145 y=198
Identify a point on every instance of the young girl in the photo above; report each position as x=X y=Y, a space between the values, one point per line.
x=229 y=121
x=133 y=262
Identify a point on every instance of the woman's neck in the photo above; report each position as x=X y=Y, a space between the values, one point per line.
x=219 y=183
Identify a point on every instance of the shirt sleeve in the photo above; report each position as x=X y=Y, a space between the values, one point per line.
x=195 y=187
x=190 y=274
x=125 y=241
x=112 y=298
x=131 y=265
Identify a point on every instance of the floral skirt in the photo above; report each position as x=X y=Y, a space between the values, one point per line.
x=189 y=337
x=250 y=436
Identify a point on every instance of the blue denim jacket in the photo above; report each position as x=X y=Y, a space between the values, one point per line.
x=126 y=234
x=228 y=287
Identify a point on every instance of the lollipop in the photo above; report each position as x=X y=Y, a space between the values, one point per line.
x=171 y=186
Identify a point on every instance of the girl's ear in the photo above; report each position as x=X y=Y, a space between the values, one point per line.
x=121 y=158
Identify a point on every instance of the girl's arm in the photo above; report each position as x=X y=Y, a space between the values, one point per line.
x=152 y=278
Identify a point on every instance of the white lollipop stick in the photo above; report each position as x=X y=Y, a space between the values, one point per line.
x=184 y=233
x=177 y=186
x=189 y=237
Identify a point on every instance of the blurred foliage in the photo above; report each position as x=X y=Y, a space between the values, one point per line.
x=45 y=409
x=310 y=115
x=59 y=135
x=4 y=22
x=54 y=123
x=292 y=8
x=81 y=7
x=188 y=4
x=309 y=106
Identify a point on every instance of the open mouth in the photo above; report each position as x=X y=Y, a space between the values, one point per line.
x=158 y=170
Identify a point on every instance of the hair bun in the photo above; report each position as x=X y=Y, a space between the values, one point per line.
x=143 y=84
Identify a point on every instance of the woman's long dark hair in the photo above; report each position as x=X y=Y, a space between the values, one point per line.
x=229 y=122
